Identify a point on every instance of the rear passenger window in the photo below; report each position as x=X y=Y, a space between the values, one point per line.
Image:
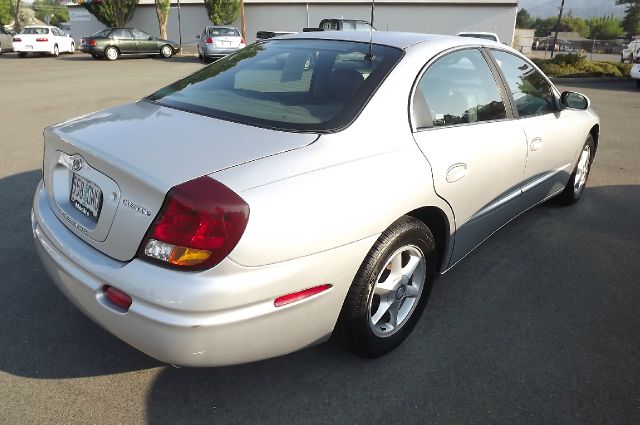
x=458 y=89
x=531 y=91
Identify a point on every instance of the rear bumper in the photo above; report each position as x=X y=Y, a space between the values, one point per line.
x=210 y=51
x=32 y=48
x=220 y=317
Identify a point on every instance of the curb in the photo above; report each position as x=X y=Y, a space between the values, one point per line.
x=567 y=80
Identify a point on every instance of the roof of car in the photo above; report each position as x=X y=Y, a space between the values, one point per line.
x=400 y=40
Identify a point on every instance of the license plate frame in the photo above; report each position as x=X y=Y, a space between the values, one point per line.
x=85 y=196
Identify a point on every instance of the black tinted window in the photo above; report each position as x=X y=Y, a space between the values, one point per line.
x=300 y=85
x=459 y=89
x=531 y=91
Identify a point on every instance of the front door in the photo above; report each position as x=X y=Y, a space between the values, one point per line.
x=477 y=153
x=124 y=41
x=551 y=148
x=144 y=42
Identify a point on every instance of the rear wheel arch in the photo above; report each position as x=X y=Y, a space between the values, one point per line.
x=437 y=221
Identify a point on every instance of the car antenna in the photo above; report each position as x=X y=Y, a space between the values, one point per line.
x=369 y=55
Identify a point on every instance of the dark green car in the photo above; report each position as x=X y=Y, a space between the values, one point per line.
x=113 y=42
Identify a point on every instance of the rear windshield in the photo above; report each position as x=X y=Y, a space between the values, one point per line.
x=295 y=85
x=102 y=33
x=35 y=31
x=223 y=32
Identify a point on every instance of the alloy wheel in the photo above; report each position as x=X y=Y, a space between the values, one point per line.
x=582 y=169
x=397 y=291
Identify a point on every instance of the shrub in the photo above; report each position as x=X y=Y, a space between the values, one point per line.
x=578 y=66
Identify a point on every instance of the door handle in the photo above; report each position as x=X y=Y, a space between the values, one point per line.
x=456 y=172
x=536 y=144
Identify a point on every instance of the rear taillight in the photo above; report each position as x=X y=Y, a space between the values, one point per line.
x=42 y=39
x=200 y=223
x=209 y=40
x=17 y=39
x=242 y=43
x=91 y=43
x=637 y=59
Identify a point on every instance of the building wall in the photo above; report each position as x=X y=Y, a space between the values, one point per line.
x=424 y=18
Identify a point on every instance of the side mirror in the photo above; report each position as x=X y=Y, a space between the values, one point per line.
x=198 y=37
x=573 y=100
x=150 y=38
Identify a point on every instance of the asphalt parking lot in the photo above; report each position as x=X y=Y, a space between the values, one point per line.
x=540 y=325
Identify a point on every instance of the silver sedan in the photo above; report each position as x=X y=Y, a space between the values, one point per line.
x=216 y=42
x=261 y=204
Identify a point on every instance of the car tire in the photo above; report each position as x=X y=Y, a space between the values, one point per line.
x=73 y=48
x=578 y=181
x=638 y=84
x=22 y=54
x=166 y=51
x=390 y=289
x=111 y=53
x=56 y=50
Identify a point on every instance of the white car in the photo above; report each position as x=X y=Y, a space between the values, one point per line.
x=42 y=39
x=635 y=71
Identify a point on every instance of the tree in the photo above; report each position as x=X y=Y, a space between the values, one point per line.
x=631 y=20
x=112 y=13
x=604 y=28
x=16 y=16
x=524 y=20
x=5 y=12
x=162 y=12
x=222 y=12
x=52 y=8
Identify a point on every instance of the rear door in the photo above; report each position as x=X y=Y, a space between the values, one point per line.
x=476 y=151
x=551 y=141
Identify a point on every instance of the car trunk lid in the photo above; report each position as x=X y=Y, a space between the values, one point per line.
x=107 y=173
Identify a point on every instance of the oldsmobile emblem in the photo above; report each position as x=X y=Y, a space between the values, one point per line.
x=136 y=207
x=77 y=165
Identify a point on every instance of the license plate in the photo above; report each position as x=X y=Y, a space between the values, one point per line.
x=86 y=196
x=28 y=47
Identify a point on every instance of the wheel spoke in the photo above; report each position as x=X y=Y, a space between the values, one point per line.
x=411 y=266
x=382 y=309
x=393 y=313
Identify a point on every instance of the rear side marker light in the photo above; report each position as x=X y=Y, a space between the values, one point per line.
x=199 y=224
x=117 y=297
x=301 y=295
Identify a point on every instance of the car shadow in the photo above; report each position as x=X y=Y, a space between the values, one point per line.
x=541 y=317
x=533 y=324
x=42 y=335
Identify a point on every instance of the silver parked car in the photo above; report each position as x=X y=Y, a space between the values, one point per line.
x=216 y=42
x=258 y=205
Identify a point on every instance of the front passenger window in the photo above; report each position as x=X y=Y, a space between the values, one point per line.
x=458 y=89
x=530 y=90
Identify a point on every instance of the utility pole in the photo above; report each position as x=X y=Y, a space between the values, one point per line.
x=555 y=37
x=244 y=36
x=179 y=26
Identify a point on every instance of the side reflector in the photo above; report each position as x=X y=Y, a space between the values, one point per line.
x=117 y=297
x=298 y=296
